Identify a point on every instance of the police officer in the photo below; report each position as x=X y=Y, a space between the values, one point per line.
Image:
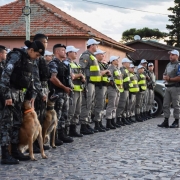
x=140 y=95
x=100 y=92
x=132 y=93
x=78 y=81
x=48 y=56
x=113 y=93
x=40 y=93
x=151 y=85
x=124 y=98
x=172 y=94
x=90 y=67
x=3 y=53
x=59 y=81
x=144 y=112
x=16 y=75
x=41 y=76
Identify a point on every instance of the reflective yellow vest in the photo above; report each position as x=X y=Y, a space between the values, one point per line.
x=118 y=80
x=142 y=82
x=95 y=75
x=77 y=82
x=135 y=87
x=104 y=77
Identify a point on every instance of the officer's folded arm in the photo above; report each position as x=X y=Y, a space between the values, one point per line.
x=174 y=79
x=58 y=83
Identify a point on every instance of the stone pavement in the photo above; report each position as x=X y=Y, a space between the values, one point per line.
x=140 y=151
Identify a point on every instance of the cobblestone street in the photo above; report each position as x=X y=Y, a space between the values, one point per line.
x=140 y=151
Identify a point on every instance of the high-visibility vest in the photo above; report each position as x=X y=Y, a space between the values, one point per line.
x=95 y=75
x=118 y=80
x=134 y=81
x=77 y=82
x=104 y=77
x=142 y=82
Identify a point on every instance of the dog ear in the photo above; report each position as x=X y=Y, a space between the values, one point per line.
x=51 y=93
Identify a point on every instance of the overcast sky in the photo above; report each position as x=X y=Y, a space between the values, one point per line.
x=113 y=21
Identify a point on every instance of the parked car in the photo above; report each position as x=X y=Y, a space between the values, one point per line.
x=159 y=92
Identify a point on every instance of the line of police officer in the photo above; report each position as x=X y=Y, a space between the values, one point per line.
x=79 y=86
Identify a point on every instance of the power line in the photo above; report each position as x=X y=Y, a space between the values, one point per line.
x=110 y=5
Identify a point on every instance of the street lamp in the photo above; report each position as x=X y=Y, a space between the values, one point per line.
x=26 y=10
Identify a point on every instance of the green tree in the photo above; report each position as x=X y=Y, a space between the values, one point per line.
x=144 y=33
x=174 y=28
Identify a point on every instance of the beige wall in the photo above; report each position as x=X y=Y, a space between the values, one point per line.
x=78 y=43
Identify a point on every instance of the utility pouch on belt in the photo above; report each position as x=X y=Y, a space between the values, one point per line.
x=177 y=84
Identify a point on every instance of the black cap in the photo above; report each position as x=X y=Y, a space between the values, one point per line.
x=39 y=37
x=3 y=47
x=59 y=45
x=36 y=45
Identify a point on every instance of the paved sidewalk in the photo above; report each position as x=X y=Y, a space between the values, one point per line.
x=139 y=151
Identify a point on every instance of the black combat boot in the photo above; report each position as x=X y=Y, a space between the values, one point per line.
x=73 y=131
x=138 y=118
x=102 y=127
x=124 y=121
x=36 y=146
x=142 y=117
x=150 y=114
x=119 y=122
x=131 y=119
x=58 y=142
x=17 y=154
x=91 y=129
x=109 y=125
x=6 y=158
x=84 y=130
x=165 y=123
x=114 y=123
x=175 y=124
x=97 y=127
x=147 y=114
x=36 y=149
x=62 y=135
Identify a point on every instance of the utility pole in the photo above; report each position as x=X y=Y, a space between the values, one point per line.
x=27 y=11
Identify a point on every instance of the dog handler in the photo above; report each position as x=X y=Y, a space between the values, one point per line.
x=12 y=82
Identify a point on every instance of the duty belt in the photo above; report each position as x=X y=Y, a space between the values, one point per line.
x=170 y=85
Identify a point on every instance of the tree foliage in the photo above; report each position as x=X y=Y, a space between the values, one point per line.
x=174 y=28
x=144 y=33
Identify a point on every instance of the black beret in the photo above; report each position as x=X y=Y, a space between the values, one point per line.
x=36 y=45
x=59 y=45
x=3 y=47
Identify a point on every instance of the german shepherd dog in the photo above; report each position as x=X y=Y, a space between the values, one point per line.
x=50 y=121
x=30 y=131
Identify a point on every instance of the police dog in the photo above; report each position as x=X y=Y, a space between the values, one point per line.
x=50 y=121
x=30 y=131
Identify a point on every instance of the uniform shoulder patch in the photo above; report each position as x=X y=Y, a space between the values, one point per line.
x=178 y=71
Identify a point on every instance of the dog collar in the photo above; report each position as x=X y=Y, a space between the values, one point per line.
x=29 y=110
x=49 y=108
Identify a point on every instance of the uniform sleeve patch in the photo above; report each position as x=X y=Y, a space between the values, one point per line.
x=178 y=71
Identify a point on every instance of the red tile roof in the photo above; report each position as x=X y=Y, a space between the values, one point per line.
x=47 y=19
